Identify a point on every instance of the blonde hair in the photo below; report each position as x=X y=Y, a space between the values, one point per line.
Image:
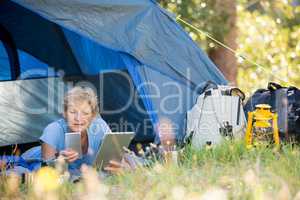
x=82 y=94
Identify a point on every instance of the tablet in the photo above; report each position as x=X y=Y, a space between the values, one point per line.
x=73 y=141
x=112 y=148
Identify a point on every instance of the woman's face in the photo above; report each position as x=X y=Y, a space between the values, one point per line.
x=79 y=116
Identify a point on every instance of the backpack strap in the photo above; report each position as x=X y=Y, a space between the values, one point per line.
x=189 y=136
x=275 y=91
x=273 y=86
x=209 y=85
x=237 y=92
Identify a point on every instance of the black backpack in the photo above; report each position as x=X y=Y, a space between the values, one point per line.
x=286 y=102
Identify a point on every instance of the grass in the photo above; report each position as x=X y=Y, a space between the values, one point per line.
x=226 y=171
x=228 y=168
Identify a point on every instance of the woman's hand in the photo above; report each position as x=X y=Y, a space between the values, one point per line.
x=115 y=167
x=70 y=155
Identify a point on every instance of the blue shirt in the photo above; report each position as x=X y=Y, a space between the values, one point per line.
x=54 y=135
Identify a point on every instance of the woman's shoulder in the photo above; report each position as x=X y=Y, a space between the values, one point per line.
x=99 y=125
x=53 y=134
x=99 y=120
x=56 y=126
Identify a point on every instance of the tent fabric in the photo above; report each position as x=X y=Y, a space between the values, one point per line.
x=38 y=37
x=122 y=107
x=26 y=107
x=27 y=63
x=31 y=67
x=92 y=57
x=11 y=53
x=113 y=38
x=4 y=63
x=137 y=27
x=174 y=100
x=132 y=66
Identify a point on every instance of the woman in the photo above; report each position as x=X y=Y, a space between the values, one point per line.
x=80 y=115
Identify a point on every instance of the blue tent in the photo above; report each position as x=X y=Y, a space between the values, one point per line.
x=131 y=50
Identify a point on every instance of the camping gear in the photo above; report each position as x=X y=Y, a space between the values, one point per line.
x=217 y=114
x=285 y=101
x=262 y=126
x=131 y=51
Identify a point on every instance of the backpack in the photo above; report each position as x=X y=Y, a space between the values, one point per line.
x=285 y=101
x=217 y=114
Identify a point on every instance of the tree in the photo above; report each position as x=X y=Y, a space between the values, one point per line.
x=218 y=18
x=223 y=58
x=267 y=33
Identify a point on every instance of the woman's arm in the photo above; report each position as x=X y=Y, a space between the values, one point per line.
x=51 y=140
x=48 y=152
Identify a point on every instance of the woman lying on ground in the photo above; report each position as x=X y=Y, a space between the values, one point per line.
x=81 y=114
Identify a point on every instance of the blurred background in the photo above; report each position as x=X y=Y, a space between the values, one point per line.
x=267 y=32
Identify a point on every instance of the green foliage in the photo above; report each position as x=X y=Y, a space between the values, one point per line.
x=270 y=37
x=204 y=14
x=268 y=34
x=244 y=174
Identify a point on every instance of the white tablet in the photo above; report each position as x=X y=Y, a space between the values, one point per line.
x=112 y=148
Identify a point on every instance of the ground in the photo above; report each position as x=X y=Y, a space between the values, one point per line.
x=225 y=171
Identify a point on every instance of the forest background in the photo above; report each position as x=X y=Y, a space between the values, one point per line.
x=265 y=32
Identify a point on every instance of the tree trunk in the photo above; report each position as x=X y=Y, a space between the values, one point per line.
x=224 y=59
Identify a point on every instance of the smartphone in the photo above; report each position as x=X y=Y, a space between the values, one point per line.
x=73 y=141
